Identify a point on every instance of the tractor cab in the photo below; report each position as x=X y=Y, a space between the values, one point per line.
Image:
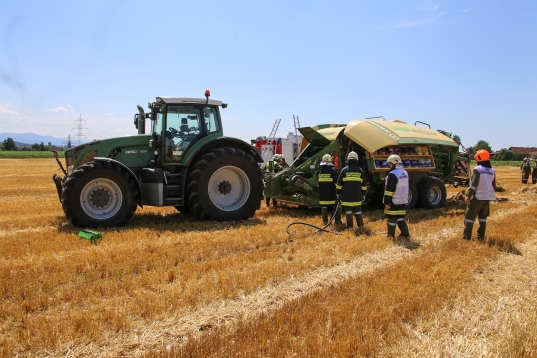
x=178 y=124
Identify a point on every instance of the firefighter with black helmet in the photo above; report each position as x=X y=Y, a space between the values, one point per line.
x=525 y=170
x=326 y=181
x=479 y=195
x=351 y=187
x=396 y=197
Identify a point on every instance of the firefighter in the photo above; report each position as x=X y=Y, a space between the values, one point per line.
x=278 y=164
x=396 y=197
x=326 y=181
x=525 y=170
x=479 y=195
x=351 y=187
x=534 y=173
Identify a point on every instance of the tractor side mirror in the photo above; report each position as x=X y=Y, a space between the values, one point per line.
x=136 y=120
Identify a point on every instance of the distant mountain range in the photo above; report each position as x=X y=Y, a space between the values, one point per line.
x=32 y=138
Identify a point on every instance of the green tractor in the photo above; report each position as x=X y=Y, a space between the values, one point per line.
x=431 y=158
x=185 y=162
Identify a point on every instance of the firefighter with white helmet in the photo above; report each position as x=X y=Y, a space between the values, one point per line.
x=276 y=164
x=351 y=188
x=326 y=181
x=479 y=195
x=396 y=197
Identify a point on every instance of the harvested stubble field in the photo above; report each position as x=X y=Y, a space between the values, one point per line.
x=166 y=285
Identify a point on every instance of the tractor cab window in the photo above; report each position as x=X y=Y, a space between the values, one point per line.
x=183 y=127
x=156 y=125
x=210 y=120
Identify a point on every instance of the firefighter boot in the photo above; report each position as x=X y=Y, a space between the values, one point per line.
x=349 y=220
x=359 y=219
x=339 y=223
x=324 y=214
x=391 y=229
x=468 y=226
x=360 y=230
x=403 y=226
x=481 y=229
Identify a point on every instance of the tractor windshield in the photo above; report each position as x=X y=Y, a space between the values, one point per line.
x=185 y=124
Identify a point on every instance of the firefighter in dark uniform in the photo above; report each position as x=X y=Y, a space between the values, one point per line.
x=525 y=170
x=479 y=194
x=396 y=197
x=326 y=182
x=534 y=173
x=351 y=187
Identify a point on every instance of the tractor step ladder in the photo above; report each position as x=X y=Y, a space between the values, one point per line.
x=270 y=145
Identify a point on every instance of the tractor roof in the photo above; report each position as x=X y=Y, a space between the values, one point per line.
x=180 y=100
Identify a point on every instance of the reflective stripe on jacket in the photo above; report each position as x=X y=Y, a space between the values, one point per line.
x=485 y=187
x=351 y=184
x=396 y=187
x=326 y=182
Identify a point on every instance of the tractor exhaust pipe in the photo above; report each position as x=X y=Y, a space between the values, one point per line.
x=141 y=120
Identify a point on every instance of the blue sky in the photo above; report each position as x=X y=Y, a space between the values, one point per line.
x=468 y=67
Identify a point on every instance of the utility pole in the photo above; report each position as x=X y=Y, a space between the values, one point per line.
x=68 y=139
x=79 y=128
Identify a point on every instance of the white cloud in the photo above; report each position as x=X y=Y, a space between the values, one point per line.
x=61 y=109
x=411 y=23
x=5 y=111
x=428 y=6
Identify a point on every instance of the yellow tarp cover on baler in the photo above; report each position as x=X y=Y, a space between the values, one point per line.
x=373 y=134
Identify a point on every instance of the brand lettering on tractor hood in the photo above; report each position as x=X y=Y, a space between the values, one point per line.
x=135 y=151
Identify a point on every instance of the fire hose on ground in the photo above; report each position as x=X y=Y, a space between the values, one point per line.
x=336 y=207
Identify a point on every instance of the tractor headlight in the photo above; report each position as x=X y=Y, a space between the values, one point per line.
x=70 y=169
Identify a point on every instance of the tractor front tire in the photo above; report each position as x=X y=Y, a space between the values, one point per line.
x=225 y=184
x=99 y=195
x=432 y=193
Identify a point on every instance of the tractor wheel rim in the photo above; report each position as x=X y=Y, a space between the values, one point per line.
x=229 y=188
x=101 y=199
x=435 y=195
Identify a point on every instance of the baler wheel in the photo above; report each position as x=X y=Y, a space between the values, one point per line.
x=432 y=193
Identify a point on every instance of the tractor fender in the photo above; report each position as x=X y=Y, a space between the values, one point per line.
x=229 y=142
x=128 y=170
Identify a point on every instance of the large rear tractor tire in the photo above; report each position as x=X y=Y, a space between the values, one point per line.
x=432 y=193
x=99 y=195
x=225 y=184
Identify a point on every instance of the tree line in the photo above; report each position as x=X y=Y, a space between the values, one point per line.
x=10 y=145
x=503 y=154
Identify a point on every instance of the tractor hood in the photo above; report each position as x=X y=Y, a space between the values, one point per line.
x=321 y=135
x=373 y=134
